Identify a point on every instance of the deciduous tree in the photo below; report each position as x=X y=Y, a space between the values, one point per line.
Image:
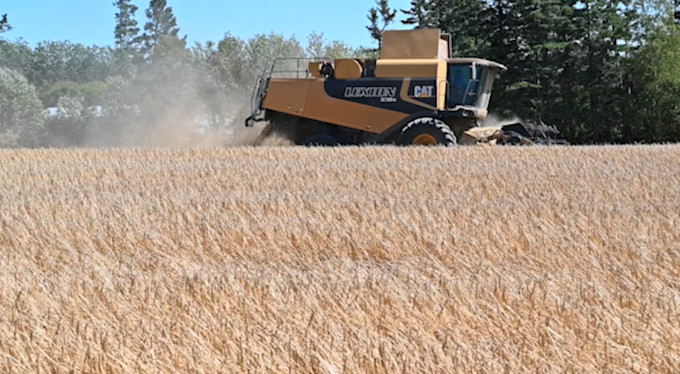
x=20 y=111
x=653 y=111
x=16 y=55
x=317 y=46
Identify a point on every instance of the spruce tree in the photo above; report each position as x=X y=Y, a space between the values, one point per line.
x=380 y=17
x=604 y=27
x=127 y=40
x=417 y=15
x=127 y=31
x=161 y=27
x=4 y=23
x=460 y=18
x=540 y=42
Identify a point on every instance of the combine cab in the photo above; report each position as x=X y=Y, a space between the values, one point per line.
x=414 y=94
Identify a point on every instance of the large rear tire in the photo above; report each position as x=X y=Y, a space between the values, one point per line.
x=427 y=131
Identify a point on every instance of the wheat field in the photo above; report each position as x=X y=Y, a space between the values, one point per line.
x=346 y=260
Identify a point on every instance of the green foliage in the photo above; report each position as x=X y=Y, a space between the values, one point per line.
x=317 y=46
x=654 y=83
x=167 y=85
x=337 y=49
x=92 y=93
x=127 y=30
x=380 y=17
x=54 y=62
x=120 y=98
x=537 y=40
x=226 y=71
x=67 y=127
x=20 y=110
x=161 y=27
x=17 y=56
x=127 y=38
x=575 y=64
x=418 y=15
x=229 y=61
x=460 y=18
x=4 y=23
x=265 y=48
x=658 y=60
x=217 y=77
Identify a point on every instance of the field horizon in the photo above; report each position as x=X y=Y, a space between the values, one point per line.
x=341 y=260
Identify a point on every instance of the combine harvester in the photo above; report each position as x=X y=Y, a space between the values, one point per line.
x=416 y=93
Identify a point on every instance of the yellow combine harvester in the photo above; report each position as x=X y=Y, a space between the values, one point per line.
x=416 y=93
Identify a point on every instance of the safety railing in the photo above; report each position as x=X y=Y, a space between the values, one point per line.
x=293 y=67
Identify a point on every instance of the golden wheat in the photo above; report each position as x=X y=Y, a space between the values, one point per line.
x=375 y=260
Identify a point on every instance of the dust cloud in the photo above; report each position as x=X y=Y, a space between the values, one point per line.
x=493 y=120
x=162 y=116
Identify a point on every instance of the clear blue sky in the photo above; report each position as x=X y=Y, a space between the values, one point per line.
x=92 y=21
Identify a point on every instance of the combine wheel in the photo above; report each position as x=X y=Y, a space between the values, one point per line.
x=427 y=131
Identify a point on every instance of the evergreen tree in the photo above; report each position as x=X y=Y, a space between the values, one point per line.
x=380 y=17
x=565 y=60
x=605 y=28
x=4 y=23
x=460 y=18
x=166 y=83
x=127 y=39
x=417 y=15
x=161 y=27
x=532 y=37
x=127 y=31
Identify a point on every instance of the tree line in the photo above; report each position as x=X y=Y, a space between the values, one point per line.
x=149 y=88
x=601 y=71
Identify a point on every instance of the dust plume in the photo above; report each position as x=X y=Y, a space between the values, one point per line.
x=160 y=110
x=496 y=120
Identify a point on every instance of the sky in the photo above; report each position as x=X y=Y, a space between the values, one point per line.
x=92 y=21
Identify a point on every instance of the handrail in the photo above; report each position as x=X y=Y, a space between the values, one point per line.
x=297 y=71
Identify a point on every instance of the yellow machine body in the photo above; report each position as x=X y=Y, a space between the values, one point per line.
x=373 y=100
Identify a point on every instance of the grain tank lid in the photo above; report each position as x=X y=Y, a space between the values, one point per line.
x=415 y=44
x=469 y=60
